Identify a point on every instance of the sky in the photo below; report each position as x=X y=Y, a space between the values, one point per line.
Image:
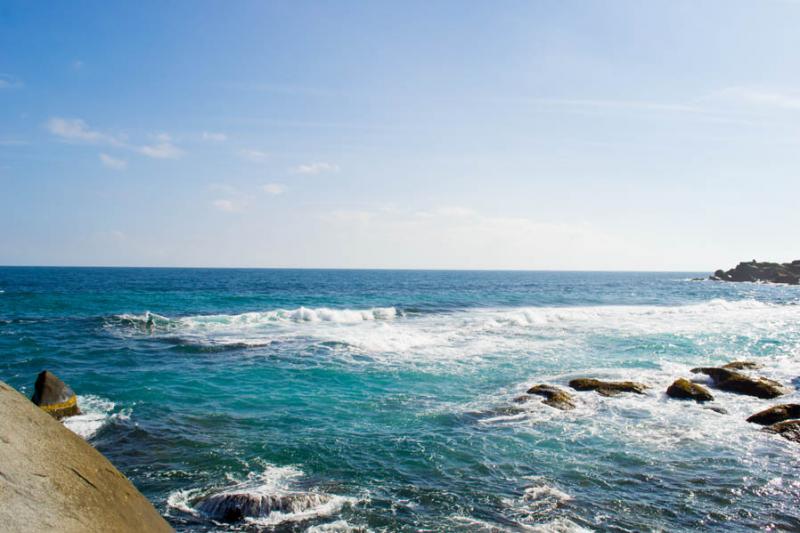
x=538 y=134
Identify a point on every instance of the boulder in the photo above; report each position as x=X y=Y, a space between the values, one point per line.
x=607 y=388
x=788 y=273
x=683 y=389
x=54 y=396
x=233 y=506
x=554 y=397
x=789 y=429
x=741 y=365
x=776 y=413
x=731 y=381
x=53 y=480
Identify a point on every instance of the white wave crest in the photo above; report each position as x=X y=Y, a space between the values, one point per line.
x=96 y=412
x=265 y=499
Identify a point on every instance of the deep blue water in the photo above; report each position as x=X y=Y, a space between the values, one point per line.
x=383 y=400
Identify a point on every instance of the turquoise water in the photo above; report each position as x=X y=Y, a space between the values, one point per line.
x=386 y=397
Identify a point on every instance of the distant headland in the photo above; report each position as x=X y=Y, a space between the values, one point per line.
x=762 y=271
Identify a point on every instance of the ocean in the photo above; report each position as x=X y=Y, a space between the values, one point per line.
x=384 y=400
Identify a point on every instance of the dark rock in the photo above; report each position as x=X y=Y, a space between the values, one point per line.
x=554 y=397
x=716 y=409
x=741 y=365
x=607 y=388
x=789 y=429
x=777 y=413
x=731 y=381
x=54 y=396
x=684 y=389
x=233 y=507
x=768 y=272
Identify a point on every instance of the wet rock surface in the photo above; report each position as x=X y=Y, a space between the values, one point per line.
x=789 y=429
x=554 y=397
x=607 y=388
x=741 y=365
x=233 y=507
x=775 y=414
x=731 y=381
x=683 y=389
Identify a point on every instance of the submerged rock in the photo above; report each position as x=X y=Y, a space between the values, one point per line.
x=607 y=388
x=789 y=429
x=741 y=365
x=776 y=413
x=731 y=381
x=769 y=272
x=235 y=506
x=54 y=396
x=554 y=397
x=684 y=389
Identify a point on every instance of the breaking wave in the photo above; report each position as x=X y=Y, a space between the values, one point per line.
x=265 y=499
x=96 y=413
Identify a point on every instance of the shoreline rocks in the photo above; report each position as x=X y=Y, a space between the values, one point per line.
x=53 y=480
x=607 y=388
x=788 y=273
x=683 y=389
x=554 y=397
x=731 y=381
x=54 y=396
x=775 y=414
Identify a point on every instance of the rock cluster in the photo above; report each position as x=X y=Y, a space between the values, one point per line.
x=764 y=271
x=554 y=397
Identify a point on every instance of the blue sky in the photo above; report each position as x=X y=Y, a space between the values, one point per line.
x=551 y=134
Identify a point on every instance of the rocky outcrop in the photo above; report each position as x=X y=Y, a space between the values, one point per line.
x=765 y=271
x=731 y=381
x=741 y=365
x=554 y=397
x=607 y=388
x=777 y=413
x=54 y=396
x=683 y=389
x=789 y=429
x=233 y=507
x=52 y=480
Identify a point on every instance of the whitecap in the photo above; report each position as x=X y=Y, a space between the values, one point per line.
x=96 y=412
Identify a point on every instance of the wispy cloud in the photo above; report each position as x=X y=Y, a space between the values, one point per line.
x=214 y=136
x=76 y=130
x=77 y=64
x=315 y=168
x=255 y=156
x=226 y=205
x=10 y=82
x=274 y=188
x=113 y=162
x=162 y=149
x=753 y=96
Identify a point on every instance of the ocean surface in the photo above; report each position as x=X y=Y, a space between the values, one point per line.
x=383 y=400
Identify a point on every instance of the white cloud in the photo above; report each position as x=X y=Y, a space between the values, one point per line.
x=256 y=156
x=163 y=149
x=113 y=162
x=227 y=205
x=214 y=136
x=75 y=129
x=455 y=211
x=760 y=97
x=274 y=188
x=315 y=168
x=10 y=82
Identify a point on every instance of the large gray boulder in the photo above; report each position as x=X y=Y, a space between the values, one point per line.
x=776 y=413
x=53 y=480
